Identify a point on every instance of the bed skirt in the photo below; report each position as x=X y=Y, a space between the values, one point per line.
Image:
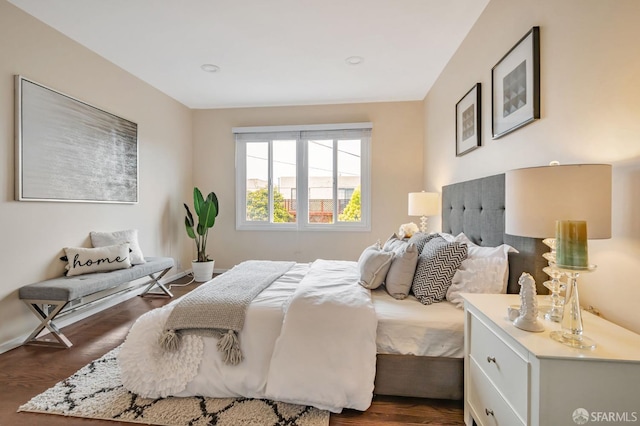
x=419 y=376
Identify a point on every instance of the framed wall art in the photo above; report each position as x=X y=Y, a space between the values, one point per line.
x=515 y=86
x=68 y=150
x=468 y=123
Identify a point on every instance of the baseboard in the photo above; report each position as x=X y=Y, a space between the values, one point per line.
x=12 y=344
x=72 y=318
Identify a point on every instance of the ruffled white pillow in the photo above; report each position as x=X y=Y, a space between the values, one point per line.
x=475 y=251
x=480 y=275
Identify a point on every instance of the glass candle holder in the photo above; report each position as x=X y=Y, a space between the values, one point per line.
x=571 y=333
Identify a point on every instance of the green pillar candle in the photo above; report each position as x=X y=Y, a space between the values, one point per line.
x=571 y=244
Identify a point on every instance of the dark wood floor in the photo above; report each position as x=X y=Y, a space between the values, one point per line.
x=28 y=370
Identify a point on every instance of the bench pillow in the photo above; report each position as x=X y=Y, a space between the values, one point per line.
x=88 y=260
x=102 y=239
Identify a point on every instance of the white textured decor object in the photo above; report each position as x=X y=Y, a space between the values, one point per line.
x=528 y=319
x=407 y=230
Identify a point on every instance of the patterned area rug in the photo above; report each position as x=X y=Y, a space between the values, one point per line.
x=96 y=392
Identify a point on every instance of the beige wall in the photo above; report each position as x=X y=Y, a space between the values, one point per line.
x=590 y=101
x=33 y=233
x=396 y=170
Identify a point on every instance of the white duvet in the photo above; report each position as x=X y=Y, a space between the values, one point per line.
x=309 y=338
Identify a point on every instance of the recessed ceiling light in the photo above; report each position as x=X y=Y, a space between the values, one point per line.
x=210 y=68
x=354 y=60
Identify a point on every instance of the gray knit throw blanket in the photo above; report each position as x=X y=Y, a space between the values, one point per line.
x=218 y=308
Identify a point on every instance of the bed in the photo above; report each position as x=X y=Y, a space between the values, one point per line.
x=376 y=335
x=475 y=208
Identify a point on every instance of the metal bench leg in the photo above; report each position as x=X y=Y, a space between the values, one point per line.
x=46 y=321
x=154 y=281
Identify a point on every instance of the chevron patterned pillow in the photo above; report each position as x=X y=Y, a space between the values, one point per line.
x=420 y=239
x=437 y=263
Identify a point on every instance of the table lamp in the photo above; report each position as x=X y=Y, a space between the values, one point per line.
x=424 y=204
x=541 y=200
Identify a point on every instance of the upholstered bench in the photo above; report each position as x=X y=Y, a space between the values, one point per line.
x=48 y=298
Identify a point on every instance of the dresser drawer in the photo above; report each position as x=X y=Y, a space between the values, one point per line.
x=505 y=368
x=490 y=407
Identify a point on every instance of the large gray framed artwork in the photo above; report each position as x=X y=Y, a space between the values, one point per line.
x=68 y=150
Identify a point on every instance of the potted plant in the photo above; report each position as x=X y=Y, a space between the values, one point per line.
x=206 y=211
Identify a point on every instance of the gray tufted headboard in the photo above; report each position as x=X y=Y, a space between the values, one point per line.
x=476 y=207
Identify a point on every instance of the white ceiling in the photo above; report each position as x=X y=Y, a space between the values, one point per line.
x=270 y=52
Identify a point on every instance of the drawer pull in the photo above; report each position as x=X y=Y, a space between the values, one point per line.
x=488 y=412
x=491 y=359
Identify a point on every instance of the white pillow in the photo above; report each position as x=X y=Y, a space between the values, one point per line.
x=88 y=260
x=475 y=251
x=480 y=251
x=480 y=275
x=102 y=239
x=373 y=265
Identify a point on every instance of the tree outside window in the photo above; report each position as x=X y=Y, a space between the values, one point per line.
x=352 y=212
x=258 y=206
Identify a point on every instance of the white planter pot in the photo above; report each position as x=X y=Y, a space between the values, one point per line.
x=202 y=271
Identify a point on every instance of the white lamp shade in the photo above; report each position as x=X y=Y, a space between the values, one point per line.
x=536 y=197
x=424 y=203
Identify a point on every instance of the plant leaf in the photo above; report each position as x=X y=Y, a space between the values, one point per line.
x=214 y=199
x=189 y=227
x=207 y=215
x=198 y=201
x=189 y=218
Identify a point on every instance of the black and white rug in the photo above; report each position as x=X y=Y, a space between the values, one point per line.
x=96 y=392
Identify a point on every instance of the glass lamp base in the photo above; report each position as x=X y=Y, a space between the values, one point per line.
x=423 y=224
x=555 y=286
x=554 y=314
x=580 y=342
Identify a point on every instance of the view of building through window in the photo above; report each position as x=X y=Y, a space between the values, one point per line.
x=283 y=167
x=314 y=177
x=327 y=160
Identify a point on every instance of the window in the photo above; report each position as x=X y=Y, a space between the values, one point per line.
x=303 y=177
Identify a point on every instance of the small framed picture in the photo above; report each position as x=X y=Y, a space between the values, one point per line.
x=468 y=121
x=515 y=86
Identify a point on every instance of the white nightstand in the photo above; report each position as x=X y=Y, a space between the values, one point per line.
x=514 y=377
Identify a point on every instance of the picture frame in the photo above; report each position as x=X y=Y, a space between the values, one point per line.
x=69 y=151
x=468 y=121
x=515 y=86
